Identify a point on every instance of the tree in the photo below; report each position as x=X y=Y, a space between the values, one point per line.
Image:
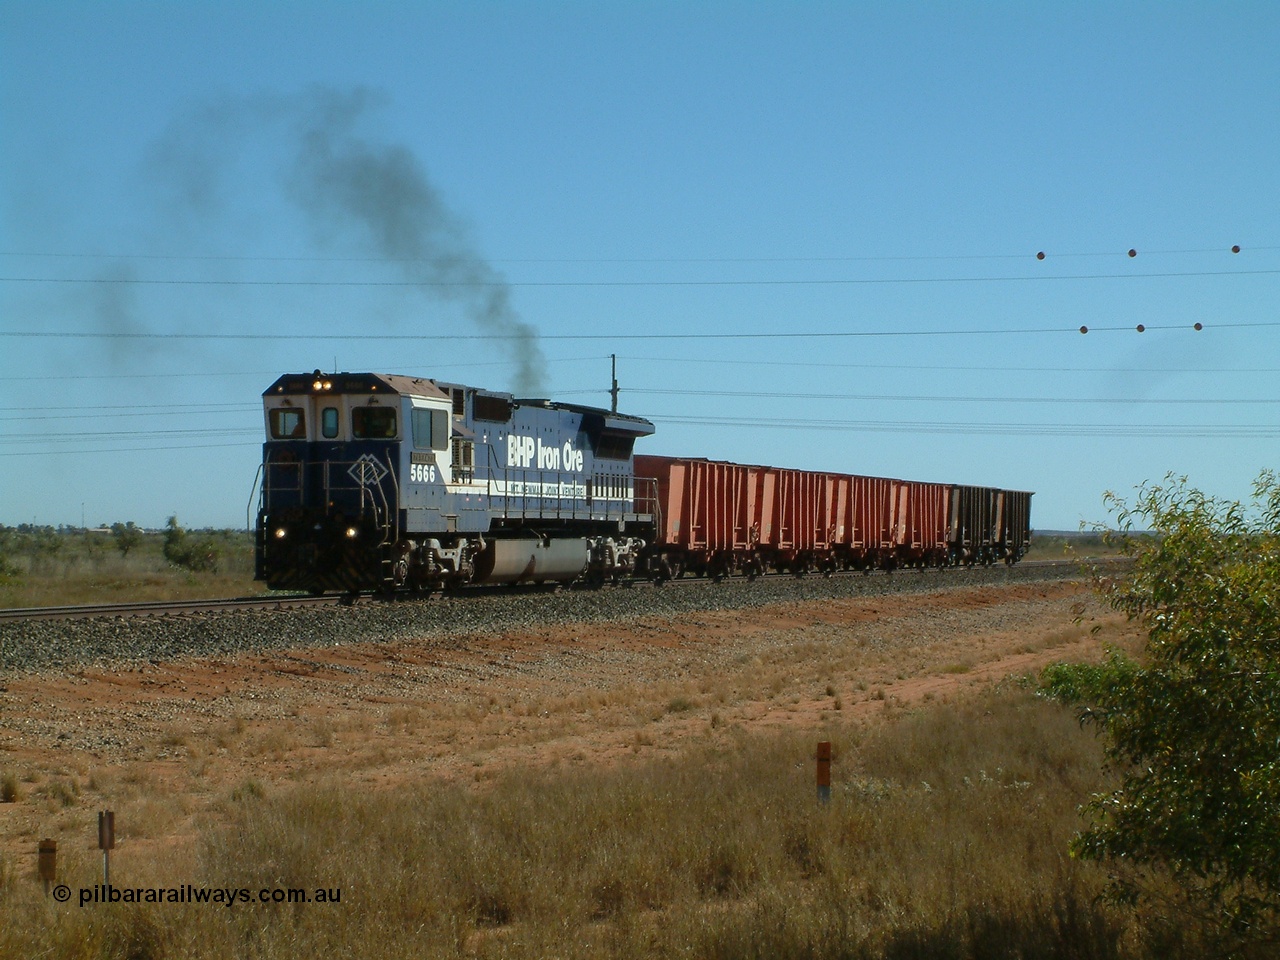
x=1193 y=727
x=8 y=548
x=198 y=554
x=126 y=536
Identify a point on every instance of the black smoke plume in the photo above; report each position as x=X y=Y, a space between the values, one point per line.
x=349 y=184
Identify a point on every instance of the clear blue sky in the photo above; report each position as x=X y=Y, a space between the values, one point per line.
x=196 y=197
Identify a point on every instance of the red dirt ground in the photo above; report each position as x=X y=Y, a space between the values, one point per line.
x=165 y=744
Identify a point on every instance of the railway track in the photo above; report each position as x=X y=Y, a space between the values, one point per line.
x=162 y=608
x=136 y=633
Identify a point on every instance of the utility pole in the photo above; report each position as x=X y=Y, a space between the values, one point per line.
x=613 y=392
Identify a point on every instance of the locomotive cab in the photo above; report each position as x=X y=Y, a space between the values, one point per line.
x=331 y=469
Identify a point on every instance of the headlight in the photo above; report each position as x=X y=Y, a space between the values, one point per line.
x=352 y=533
x=281 y=533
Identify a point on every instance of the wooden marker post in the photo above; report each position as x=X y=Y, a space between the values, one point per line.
x=824 y=771
x=48 y=862
x=106 y=842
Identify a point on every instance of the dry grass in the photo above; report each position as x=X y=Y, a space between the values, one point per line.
x=72 y=566
x=945 y=837
x=37 y=590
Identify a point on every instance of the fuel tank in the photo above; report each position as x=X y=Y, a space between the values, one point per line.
x=521 y=561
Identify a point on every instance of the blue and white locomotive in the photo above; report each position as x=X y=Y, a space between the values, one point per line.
x=378 y=482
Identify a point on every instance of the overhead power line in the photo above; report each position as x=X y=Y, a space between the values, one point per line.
x=47 y=438
x=882 y=258
x=703 y=361
x=623 y=336
x=883 y=397
x=1002 y=368
x=165 y=448
x=186 y=374
x=1176 y=431
x=148 y=412
x=505 y=284
x=168 y=441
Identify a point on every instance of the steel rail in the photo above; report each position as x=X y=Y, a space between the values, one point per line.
x=181 y=607
x=162 y=607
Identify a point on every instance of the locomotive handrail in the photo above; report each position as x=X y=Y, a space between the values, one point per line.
x=272 y=467
x=395 y=487
x=261 y=492
x=650 y=498
x=372 y=494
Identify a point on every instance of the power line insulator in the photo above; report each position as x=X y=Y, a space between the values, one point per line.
x=1141 y=328
x=1199 y=325
x=1132 y=252
x=1235 y=248
x=1084 y=329
x=1040 y=255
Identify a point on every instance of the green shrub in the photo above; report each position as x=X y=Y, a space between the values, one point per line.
x=1194 y=728
x=197 y=554
x=1087 y=684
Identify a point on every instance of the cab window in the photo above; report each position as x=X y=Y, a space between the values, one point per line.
x=329 y=423
x=287 y=424
x=373 y=423
x=430 y=429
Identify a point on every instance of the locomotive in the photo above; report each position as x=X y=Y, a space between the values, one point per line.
x=383 y=482
x=374 y=481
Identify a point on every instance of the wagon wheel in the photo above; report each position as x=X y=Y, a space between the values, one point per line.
x=664 y=567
